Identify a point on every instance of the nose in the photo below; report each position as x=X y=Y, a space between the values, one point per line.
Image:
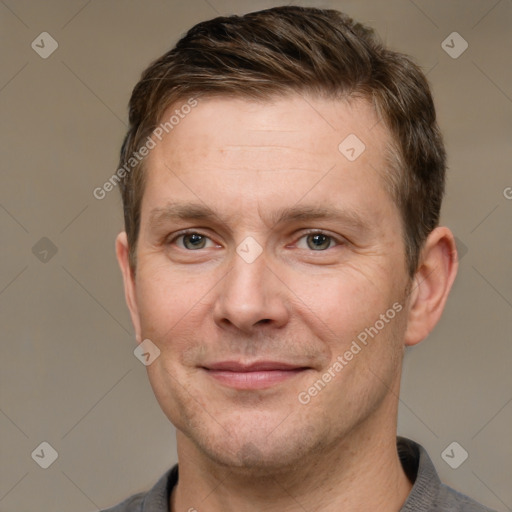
x=251 y=297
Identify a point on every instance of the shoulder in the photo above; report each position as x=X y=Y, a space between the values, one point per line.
x=428 y=493
x=132 y=504
x=452 y=500
x=155 y=500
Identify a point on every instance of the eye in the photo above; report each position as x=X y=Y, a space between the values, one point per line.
x=192 y=241
x=318 y=241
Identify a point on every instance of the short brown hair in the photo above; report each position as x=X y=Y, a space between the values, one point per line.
x=306 y=50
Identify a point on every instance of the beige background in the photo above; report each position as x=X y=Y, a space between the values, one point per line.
x=68 y=373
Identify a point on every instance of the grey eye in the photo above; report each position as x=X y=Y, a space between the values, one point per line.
x=194 y=241
x=318 y=241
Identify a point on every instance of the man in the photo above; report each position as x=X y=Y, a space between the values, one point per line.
x=282 y=179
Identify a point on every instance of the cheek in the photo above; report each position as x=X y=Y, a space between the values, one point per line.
x=361 y=324
x=341 y=304
x=171 y=302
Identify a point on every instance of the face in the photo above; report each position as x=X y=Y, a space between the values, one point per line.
x=271 y=275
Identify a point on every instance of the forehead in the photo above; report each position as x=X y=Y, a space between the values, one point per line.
x=306 y=122
x=277 y=148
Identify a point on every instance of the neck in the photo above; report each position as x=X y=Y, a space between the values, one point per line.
x=360 y=472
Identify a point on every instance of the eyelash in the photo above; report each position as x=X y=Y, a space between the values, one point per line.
x=181 y=234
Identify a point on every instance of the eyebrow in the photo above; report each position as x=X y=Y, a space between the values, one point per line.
x=197 y=211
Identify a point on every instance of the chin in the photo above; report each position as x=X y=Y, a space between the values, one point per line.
x=259 y=453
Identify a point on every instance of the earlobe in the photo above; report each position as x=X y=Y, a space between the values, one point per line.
x=122 y=253
x=432 y=283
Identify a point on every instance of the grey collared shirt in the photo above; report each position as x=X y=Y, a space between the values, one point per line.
x=427 y=495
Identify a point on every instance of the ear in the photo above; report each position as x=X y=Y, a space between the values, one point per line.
x=433 y=280
x=122 y=253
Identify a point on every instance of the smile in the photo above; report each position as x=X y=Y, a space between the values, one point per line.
x=258 y=375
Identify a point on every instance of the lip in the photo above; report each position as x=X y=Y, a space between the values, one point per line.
x=256 y=375
x=237 y=366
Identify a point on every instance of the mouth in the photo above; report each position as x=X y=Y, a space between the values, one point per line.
x=257 y=375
